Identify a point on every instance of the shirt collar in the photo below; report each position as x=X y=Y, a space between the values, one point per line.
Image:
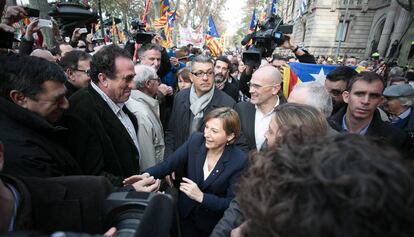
x=271 y=111
x=115 y=107
x=362 y=132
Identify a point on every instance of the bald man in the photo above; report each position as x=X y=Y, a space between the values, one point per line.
x=255 y=115
x=45 y=54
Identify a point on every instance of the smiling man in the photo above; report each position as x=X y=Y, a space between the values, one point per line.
x=362 y=96
x=32 y=98
x=103 y=132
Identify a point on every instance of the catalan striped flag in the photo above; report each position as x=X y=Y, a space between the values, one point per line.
x=213 y=38
x=165 y=7
x=295 y=73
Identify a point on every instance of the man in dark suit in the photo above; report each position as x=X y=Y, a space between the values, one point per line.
x=103 y=135
x=192 y=104
x=224 y=81
x=362 y=96
x=255 y=115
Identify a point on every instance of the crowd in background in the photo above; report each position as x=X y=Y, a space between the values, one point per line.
x=80 y=121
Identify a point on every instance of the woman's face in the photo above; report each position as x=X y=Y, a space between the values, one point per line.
x=272 y=132
x=182 y=84
x=215 y=134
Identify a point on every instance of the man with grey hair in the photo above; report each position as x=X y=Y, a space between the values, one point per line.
x=192 y=104
x=143 y=104
x=314 y=94
x=399 y=101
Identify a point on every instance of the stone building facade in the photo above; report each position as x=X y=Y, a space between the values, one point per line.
x=369 y=25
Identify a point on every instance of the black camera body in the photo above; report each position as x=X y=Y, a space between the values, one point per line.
x=141 y=36
x=136 y=213
x=264 y=41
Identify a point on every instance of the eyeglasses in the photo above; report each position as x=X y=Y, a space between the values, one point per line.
x=84 y=71
x=257 y=86
x=201 y=74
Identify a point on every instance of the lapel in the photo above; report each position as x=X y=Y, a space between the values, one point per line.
x=200 y=159
x=218 y=168
x=109 y=118
x=251 y=120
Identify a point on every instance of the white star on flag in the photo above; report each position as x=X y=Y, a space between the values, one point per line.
x=320 y=77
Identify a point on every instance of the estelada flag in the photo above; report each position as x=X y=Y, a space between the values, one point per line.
x=213 y=38
x=295 y=73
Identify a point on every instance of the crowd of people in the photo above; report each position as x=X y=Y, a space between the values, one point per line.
x=78 y=122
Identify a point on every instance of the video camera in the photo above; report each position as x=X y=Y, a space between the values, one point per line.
x=264 y=41
x=140 y=214
x=141 y=36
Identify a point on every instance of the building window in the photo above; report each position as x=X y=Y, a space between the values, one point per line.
x=342 y=28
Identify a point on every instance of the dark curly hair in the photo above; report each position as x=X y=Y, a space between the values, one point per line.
x=340 y=186
x=104 y=61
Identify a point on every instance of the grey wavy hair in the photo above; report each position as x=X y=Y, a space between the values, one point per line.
x=144 y=73
x=318 y=96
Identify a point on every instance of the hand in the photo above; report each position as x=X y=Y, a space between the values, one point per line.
x=170 y=178
x=89 y=38
x=238 y=232
x=6 y=28
x=13 y=14
x=191 y=190
x=76 y=35
x=289 y=44
x=110 y=233
x=55 y=28
x=174 y=61
x=165 y=90
x=157 y=39
x=135 y=178
x=31 y=28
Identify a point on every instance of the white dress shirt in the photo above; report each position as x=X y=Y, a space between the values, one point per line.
x=261 y=125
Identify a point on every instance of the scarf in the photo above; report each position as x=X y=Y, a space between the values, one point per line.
x=197 y=106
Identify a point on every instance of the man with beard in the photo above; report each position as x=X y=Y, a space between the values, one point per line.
x=222 y=77
x=336 y=83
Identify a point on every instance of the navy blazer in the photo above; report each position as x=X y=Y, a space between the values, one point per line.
x=218 y=188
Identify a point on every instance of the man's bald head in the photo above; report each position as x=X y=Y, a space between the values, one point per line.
x=270 y=74
x=45 y=54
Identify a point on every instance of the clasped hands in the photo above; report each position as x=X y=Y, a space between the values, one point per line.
x=147 y=183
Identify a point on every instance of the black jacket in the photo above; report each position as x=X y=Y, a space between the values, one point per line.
x=231 y=90
x=178 y=128
x=32 y=144
x=378 y=128
x=98 y=139
x=73 y=203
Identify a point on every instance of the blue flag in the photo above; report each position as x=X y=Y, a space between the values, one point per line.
x=211 y=30
x=273 y=10
x=253 y=21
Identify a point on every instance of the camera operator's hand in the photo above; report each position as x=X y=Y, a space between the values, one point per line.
x=191 y=190
x=157 y=39
x=76 y=35
x=31 y=28
x=13 y=14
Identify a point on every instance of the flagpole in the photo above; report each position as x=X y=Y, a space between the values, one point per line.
x=342 y=30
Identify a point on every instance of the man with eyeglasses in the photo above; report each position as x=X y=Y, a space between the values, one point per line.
x=76 y=65
x=336 y=83
x=255 y=115
x=192 y=104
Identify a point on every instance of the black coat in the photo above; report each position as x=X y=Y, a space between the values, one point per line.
x=73 y=203
x=231 y=90
x=178 y=128
x=247 y=115
x=31 y=144
x=379 y=129
x=98 y=139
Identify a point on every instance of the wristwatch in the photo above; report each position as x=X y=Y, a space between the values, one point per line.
x=295 y=49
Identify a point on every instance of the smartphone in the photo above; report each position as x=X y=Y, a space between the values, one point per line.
x=45 y=23
x=83 y=30
x=31 y=12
